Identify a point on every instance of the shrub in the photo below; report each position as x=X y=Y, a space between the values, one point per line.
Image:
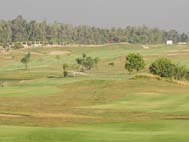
x=65 y=72
x=162 y=67
x=111 y=64
x=17 y=46
x=87 y=62
x=166 y=68
x=147 y=76
x=180 y=72
x=134 y=62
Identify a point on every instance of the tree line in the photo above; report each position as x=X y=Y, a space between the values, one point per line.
x=21 y=30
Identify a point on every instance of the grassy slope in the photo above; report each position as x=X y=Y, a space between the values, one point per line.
x=105 y=106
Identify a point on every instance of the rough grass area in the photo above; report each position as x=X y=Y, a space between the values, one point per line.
x=107 y=105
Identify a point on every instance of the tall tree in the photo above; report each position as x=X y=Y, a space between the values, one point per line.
x=26 y=59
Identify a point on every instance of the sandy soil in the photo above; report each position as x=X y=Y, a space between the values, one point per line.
x=11 y=115
x=35 y=53
x=59 y=53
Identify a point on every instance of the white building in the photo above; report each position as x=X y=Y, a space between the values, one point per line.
x=169 y=42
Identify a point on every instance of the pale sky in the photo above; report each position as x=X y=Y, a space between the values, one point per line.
x=166 y=14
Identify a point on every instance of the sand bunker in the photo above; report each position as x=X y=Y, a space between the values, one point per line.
x=145 y=47
x=187 y=50
x=77 y=73
x=172 y=54
x=11 y=115
x=59 y=53
x=36 y=53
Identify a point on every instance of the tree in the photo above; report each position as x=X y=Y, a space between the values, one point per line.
x=162 y=67
x=134 y=62
x=86 y=62
x=21 y=30
x=26 y=59
x=89 y=63
x=65 y=72
x=184 y=37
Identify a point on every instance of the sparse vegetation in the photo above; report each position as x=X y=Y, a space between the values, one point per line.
x=86 y=62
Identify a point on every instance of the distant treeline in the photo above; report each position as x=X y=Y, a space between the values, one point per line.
x=21 y=30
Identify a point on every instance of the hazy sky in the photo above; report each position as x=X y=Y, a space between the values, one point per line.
x=168 y=14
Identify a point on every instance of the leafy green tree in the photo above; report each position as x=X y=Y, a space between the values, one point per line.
x=163 y=67
x=26 y=59
x=134 y=62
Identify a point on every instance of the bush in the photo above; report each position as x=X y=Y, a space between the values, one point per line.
x=134 y=62
x=87 y=62
x=65 y=74
x=166 y=68
x=180 y=72
x=17 y=46
x=111 y=64
x=162 y=67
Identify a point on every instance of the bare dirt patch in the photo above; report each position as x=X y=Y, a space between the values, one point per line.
x=59 y=53
x=145 y=47
x=176 y=54
x=12 y=115
x=187 y=50
x=74 y=73
x=172 y=54
x=36 y=53
x=65 y=115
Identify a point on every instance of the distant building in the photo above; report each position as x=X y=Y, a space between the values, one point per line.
x=169 y=42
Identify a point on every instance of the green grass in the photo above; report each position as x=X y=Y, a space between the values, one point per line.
x=160 y=131
x=28 y=91
x=105 y=106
